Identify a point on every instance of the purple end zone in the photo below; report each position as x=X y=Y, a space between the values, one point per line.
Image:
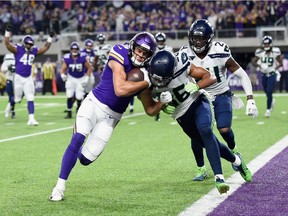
x=267 y=194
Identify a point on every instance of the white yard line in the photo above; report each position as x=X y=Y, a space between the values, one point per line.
x=56 y=130
x=210 y=201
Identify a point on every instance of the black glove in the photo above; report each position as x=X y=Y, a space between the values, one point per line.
x=51 y=33
x=9 y=27
x=11 y=68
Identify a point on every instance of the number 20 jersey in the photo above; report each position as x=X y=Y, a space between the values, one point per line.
x=214 y=61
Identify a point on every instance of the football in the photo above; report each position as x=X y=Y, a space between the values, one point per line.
x=135 y=75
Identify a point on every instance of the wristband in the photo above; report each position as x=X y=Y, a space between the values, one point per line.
x=7 y=34
x=49 y=39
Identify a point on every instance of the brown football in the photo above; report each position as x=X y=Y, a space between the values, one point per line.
x=135 y=75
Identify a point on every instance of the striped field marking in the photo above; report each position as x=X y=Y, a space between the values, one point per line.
x=210 y=201
x=57 y=130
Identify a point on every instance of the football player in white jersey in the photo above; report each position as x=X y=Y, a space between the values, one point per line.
x=160 y=38
x=175 y=75
x=266 y=58
x=216 y=57
x=8 y=68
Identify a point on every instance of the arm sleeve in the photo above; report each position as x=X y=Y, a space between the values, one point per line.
x=246 y=83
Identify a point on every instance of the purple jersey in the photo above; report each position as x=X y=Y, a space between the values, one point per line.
x=24 y=60
x=91 y=56
x=76 y=68
x=104 y=91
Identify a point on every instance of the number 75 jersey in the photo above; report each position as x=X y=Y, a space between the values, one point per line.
x=214 y=61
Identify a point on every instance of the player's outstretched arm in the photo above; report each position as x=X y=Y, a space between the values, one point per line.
x=47 y=45
x=7 y=35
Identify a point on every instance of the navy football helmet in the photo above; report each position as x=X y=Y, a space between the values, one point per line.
x=74 y=48
x=162 y=67
x=160 y=39
x=144 y=41
x=267 y=42
x=28 y=42
x=101 y=38
x=200 y=35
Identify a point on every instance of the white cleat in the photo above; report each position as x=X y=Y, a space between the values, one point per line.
x=56 y=195
x=32 y=122
x=267 y=113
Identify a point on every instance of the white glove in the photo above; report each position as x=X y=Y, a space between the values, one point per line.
x=278 y=76
x=251 y=109
x=146 y=76
x=64 y=77
x=191 y=87
x=264 y=66
x=165 y=97
x=85 y=81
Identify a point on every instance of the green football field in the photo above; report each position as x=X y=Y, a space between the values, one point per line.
x=146 y=168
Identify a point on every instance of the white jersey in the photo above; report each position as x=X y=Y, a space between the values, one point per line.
x=214 y=61
x=268 y=58
x=181 y=99
x=102 y=51
x=8 y=66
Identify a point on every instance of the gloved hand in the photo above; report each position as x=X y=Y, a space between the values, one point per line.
x=64 y=77
x=9 y=27
x=168 y=109
x=146 y=76
x=165 y=97
x=51 y=33
x=85 y=81
x=251 y=109
x=11 y=68
x=191 y=87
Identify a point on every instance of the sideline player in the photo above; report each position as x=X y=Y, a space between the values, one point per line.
x=266 y=58
x=79 y=70
x=8 y=68
x=25 y=54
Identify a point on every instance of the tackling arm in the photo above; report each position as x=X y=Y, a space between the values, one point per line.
x=206 y=78
x=150 y=106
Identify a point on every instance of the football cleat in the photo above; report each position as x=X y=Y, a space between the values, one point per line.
x=221 y=186
x=69 y=114
x=32 y=122
x=56 y=195
x=13 y=114
x=243 y=169
x=157 y=117
x=201 y=174
x=267 y=113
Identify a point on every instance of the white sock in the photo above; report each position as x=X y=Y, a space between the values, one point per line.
x=219 y=176
x=8 y=107
x=31 y=116
x=237 y=161
x=61 y=184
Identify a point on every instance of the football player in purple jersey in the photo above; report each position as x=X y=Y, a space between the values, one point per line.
x=92 y=60
x=79 y=70
x=104 y=106
x=25 y=54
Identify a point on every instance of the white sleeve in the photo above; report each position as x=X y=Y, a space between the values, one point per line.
x=4 y=67
x=246 y=83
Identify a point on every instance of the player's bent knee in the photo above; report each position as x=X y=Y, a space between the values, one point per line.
x=84 y=161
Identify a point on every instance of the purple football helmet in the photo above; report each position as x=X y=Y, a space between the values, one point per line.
x=74 y=46
x=28 y=40
x=88 y=42
x=146 y=42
